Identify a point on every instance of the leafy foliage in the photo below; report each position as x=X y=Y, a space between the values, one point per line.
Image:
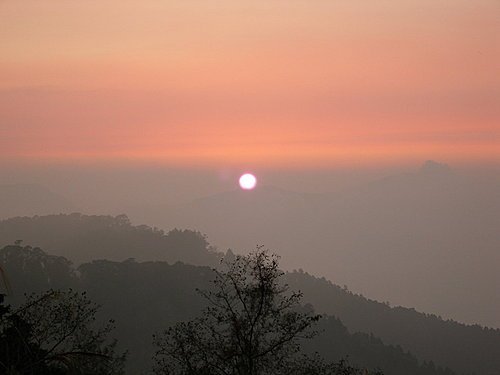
x=316 y=365
x=54 y=333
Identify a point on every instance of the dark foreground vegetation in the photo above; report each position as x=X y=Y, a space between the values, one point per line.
x=55 y=333
x=145 y=298
x=252 y=325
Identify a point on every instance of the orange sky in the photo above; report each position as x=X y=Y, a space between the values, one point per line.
x=250 y=83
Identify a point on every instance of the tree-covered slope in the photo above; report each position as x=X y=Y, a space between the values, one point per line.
x=82 y=238
x=146 y=297
x=467 y=348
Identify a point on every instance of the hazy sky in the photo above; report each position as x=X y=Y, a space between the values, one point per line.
x=296 y=83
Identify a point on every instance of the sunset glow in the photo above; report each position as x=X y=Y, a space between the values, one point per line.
x=286 y=84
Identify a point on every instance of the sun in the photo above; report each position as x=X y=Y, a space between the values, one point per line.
x=248 y=181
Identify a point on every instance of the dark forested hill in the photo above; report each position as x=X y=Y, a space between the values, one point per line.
x=146 y=297
x=82 y=238
x=468 y=348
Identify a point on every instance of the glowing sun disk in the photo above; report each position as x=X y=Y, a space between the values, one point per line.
x=248 y=181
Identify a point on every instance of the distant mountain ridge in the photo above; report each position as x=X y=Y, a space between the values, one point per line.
x=83 y=238
x=435 y=168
